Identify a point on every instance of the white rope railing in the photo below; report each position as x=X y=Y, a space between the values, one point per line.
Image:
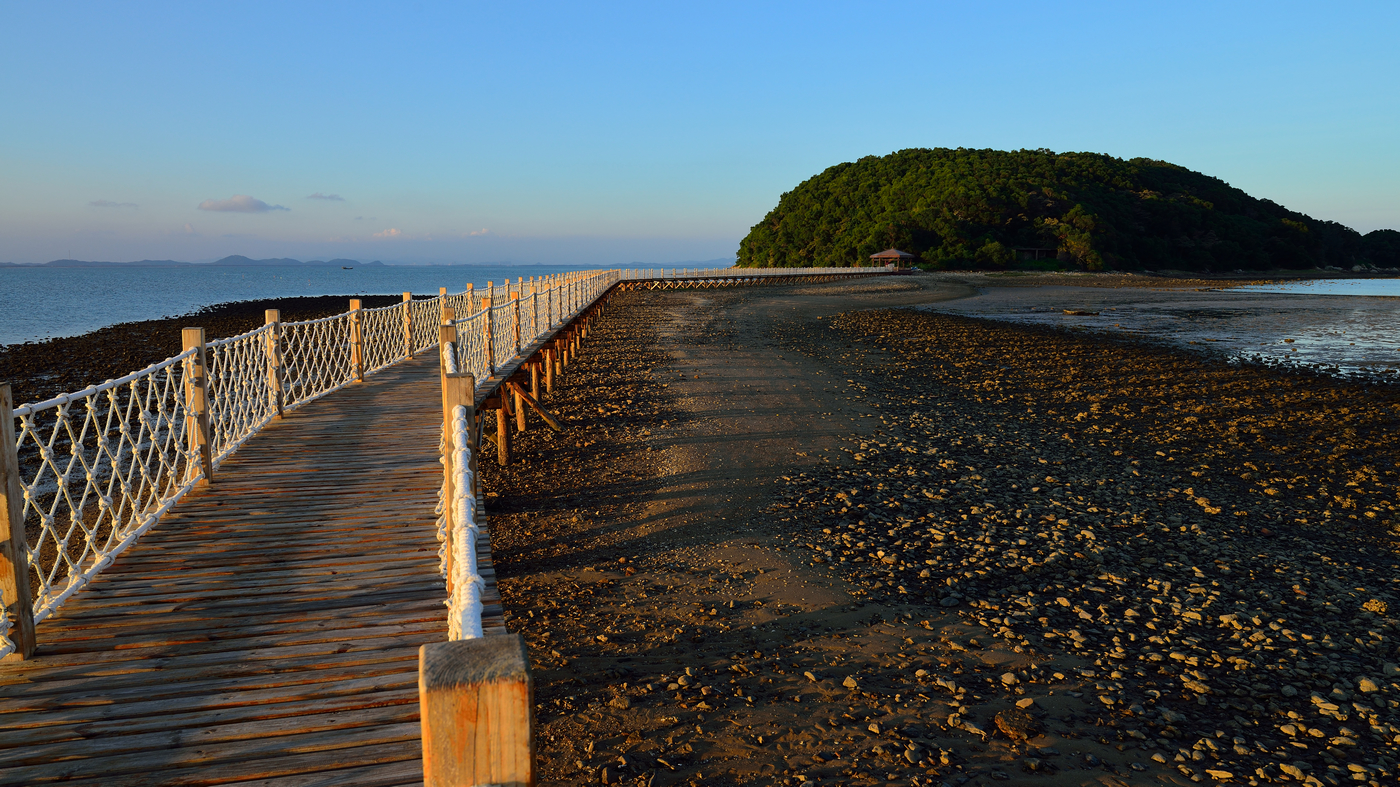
x=97 y=469
x=487 y=340
x=239 y=404
x=464 y=605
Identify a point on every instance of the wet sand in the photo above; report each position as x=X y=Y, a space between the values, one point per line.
x=1346 y=336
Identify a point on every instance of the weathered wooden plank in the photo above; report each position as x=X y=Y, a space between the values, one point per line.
x=257 y=758
x=97 y=730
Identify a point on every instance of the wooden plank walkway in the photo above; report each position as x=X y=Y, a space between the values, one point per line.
x=267 y=631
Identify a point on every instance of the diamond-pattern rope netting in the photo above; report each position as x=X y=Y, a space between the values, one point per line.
x=315 y=357
x=97 y=468
x=381 y=337
x=470 y=347
x=503 y=332
x=426 y=317
x=241 y=397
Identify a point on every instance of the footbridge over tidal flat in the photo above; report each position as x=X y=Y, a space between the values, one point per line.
x=221 y=569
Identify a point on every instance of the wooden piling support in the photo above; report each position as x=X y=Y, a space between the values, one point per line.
x=476 y=708
x=273 y=318
x=519 y=406
x=502 y=432
x=14 y=554
x=549 y=370
x=197 y=406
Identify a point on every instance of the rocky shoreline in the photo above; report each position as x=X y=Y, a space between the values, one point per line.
x=1218 y=541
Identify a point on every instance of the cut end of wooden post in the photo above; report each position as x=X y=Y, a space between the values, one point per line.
x=475 y=703
x=272 y=316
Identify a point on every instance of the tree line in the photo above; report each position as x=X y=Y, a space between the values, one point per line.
x=991 y=209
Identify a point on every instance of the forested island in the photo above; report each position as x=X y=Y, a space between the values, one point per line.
x=990 y=209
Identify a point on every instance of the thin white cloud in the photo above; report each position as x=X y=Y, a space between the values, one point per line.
x=331 y=197
x=239 y=203
x=106 y=203
x=389 y=233
x=474 y=233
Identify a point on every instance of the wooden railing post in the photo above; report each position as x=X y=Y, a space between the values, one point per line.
x=475 y=702
x=488 y=340
x=273 y=317
x=14 y=552
x=407 y=325
x=197 y=406
x=357 y=343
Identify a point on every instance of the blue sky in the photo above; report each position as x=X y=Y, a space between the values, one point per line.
x=540 y=132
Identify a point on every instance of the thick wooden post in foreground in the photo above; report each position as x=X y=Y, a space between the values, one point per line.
x=273 y=317
x=14 y=562
x=549 y=370
x=474 y=699
x=357 y=346
x=197 y=406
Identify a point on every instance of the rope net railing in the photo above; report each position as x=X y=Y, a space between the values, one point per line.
x=96 y=469
x=240 y=402
x=488 y=339
x=383 y=337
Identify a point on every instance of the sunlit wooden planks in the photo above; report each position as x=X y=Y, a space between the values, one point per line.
x=267 y=630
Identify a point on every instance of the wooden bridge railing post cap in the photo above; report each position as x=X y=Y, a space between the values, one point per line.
x=476 y=711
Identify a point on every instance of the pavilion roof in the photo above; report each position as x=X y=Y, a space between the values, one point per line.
x=892 y=254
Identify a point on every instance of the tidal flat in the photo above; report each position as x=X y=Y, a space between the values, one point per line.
x=813 y=535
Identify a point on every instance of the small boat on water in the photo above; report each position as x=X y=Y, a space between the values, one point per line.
x=347 y=268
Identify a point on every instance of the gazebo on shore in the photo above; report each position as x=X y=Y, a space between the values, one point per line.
x=900 y=259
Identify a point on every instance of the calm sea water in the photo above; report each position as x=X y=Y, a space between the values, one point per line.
x=1347 y=328
x=40 y=303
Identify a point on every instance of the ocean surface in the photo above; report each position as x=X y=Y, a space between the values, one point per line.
x=40 y=303
x=1347 y=328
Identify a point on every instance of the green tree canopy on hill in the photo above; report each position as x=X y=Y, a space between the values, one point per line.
x=974 y=208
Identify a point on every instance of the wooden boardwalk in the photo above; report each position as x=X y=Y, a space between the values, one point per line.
x=267 y=630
